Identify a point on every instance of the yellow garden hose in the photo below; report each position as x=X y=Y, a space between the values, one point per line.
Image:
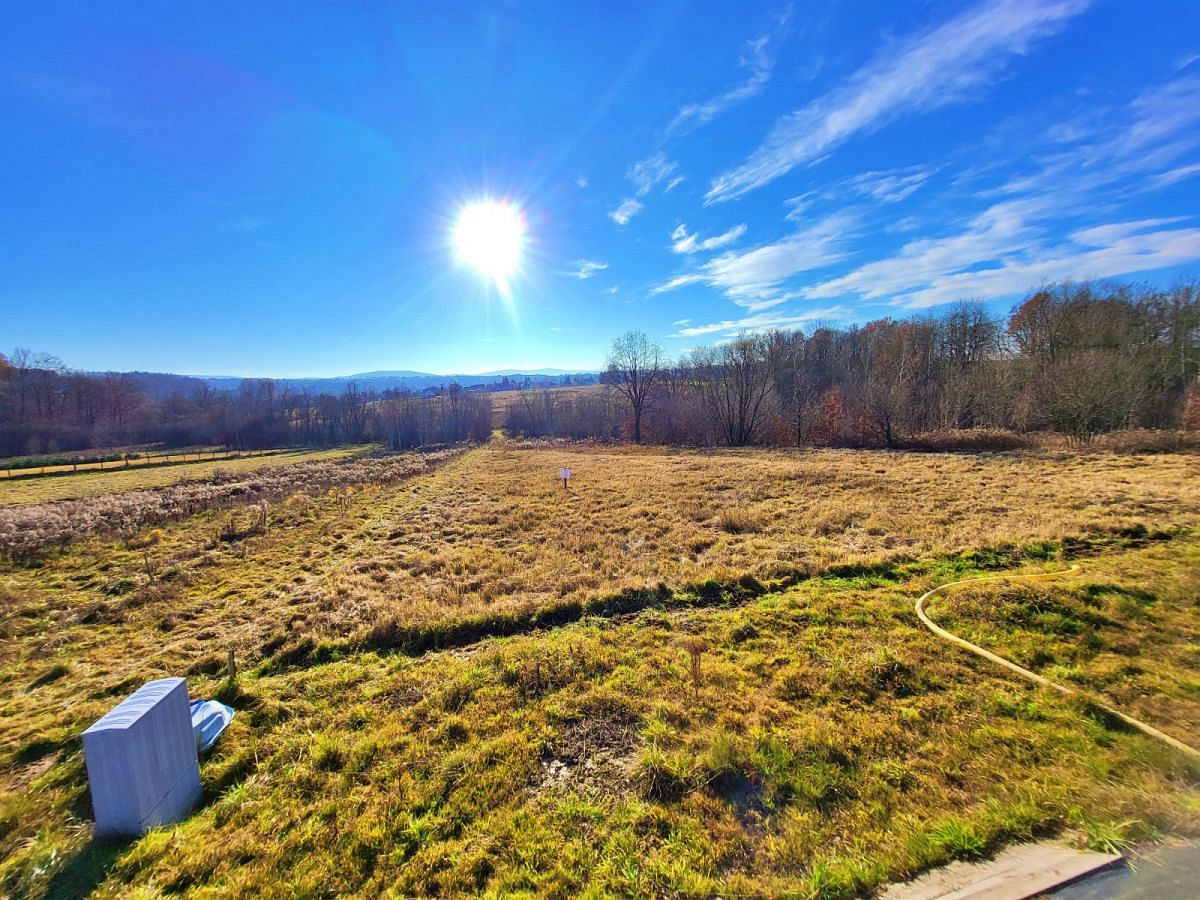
x=1033 y=676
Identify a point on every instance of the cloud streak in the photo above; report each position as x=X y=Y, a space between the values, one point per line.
x=923 y=73
x=586 y=268
x=757 y=59
x=760 y=322
x=627 y=209
x=683 y=242
x=753 y=278
x=893 y=186
x=648 y=172
x=1005 y=250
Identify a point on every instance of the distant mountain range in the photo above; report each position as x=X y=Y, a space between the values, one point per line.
x=161 y=384
x=499 y=373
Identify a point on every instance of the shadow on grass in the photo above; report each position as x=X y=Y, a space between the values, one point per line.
x=85 y=871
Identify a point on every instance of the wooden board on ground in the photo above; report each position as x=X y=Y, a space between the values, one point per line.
x=1016 y=873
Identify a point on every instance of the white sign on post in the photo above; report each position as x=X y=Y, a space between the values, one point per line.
x=565 y=474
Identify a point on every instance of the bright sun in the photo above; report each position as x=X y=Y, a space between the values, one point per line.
x=488 y=237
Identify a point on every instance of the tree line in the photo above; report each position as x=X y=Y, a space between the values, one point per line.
x=1080 y=359
x=46 y=408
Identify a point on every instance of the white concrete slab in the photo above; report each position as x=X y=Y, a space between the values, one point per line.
x=1014 y=874
x=141 y=760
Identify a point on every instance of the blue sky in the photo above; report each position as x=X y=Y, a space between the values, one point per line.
x=271 y=188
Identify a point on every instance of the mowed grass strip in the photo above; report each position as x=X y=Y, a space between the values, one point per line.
x=828 y=745
x=72 y=486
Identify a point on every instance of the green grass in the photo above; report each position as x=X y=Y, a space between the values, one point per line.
x=584 y=760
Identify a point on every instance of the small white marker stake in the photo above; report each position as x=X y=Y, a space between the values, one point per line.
x=565 y=474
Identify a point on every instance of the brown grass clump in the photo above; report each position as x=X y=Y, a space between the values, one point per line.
x=971 y=440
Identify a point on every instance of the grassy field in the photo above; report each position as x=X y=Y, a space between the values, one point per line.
x=95 y=482
x=503 y=400
x=391 y=736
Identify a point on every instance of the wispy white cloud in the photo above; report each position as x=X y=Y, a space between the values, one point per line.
x=1061 y=217
x=1084 y=176
x=648 y=172
x=939 y=67
x=674 y=183
x=581 y=182
x=753 y=278
x=757 y=59
x=1136 y=148
x=798 y=206
x=1163 y=179
x=891 y=186
x=1007 y=250
x=1001 y=230
x=679 y=281
x=627 y=209
x=762 y=322
x=586 y=268
x=1186 y=60
x=683 y=242
x=903 y=226
x=1169 y=110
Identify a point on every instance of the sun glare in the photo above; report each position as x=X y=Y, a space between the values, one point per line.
x=488 y=237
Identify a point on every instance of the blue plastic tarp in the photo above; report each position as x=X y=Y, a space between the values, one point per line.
x=209 y=719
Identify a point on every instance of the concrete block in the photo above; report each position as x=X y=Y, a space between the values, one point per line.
x=1026 y=870
x=141 y=760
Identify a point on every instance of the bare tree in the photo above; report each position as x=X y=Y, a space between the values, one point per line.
x=735 y=379
x=635 y=366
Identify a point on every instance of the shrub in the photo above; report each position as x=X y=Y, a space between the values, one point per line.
x=1147 y=440
x=969 y=440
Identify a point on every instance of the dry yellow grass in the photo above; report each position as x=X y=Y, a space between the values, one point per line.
x=93 y=483
x=496 y=532
x=493 y=533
